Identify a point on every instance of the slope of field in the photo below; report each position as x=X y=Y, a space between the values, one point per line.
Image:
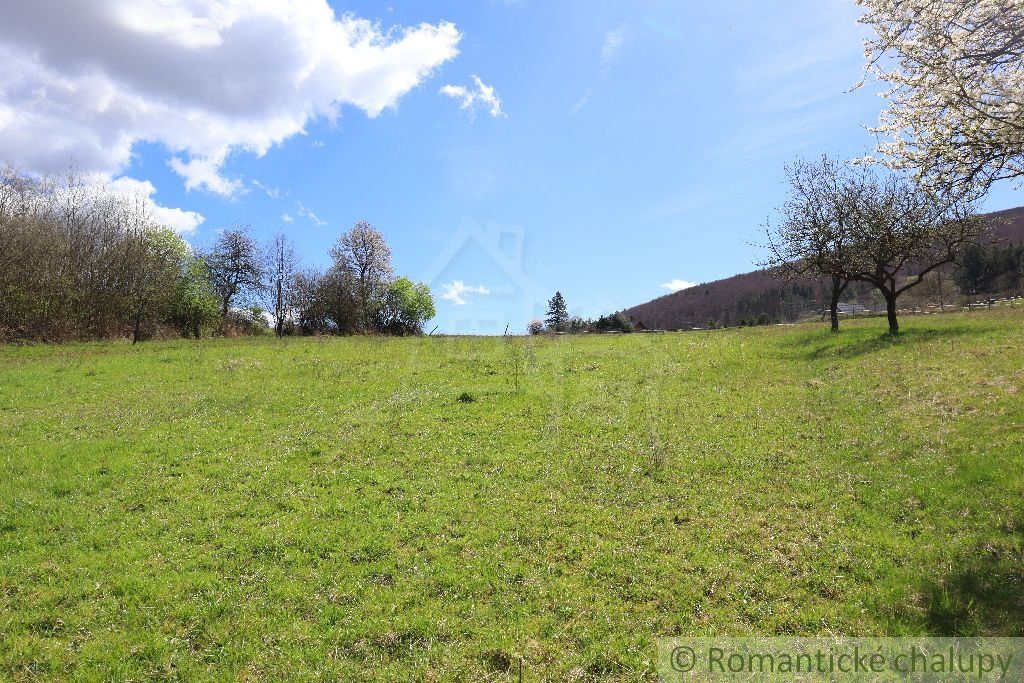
x=731 y=299
x=438 y=508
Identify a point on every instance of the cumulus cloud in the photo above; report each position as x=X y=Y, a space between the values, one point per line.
x=677 y=284
x=85 y=81
x=204 y=174
x=475 y=96
x=179 y=220
x=459 y=293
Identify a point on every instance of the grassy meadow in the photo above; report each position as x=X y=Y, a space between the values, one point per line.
x=441 y=508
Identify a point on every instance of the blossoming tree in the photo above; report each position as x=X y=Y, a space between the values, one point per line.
x=955 y=76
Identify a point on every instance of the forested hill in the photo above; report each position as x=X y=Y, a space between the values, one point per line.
x=759 y=297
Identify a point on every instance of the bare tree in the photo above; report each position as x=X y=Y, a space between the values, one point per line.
x=363 y=253
x=339 y=294
x=81 y=260
x=311 y=308
x=281 y=265
x=235 y=267
x=902 y=233
x=814 y=234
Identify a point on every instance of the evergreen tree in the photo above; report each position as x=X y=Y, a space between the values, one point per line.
x=557 y=319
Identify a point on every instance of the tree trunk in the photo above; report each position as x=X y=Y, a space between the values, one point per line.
x=279 y=310
x=837 y=291
x=890 y=309
x=138 y=326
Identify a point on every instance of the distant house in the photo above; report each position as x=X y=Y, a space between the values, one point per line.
x=639 y=326
x=853 y=309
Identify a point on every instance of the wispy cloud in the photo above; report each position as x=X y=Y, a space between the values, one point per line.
x=799 y=88
x=478 y=95
x=582 y=102
x=677 y=285
x=613 y=42
x=286 y=218
x=709 y=192
x=272 y=192
x=305 y=212
x=610 y=49
x=459 y=293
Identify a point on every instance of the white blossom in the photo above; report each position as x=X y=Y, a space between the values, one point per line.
x=955 y=76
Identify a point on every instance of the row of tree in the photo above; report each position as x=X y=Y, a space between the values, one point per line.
x=990 y=269
x=82 y=261
x=954 y=71
x=357 y=294
x=558 y=320
x=850 y=223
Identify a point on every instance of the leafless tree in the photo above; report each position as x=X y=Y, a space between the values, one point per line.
x=903 y=232
x=235 y=266
x=281 y=267
x=310 y=310
x=80 y=260
x=363 y=254
x=853 y=225
x=814 y=233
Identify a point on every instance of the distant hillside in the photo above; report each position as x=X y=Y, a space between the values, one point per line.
x=1008 y=225
x=746 y=298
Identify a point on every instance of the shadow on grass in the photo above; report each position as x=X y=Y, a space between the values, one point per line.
x=983 y=595
x=856 y=343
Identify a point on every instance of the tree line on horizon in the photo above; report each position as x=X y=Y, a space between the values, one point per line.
x=81 y=261
x=559 y=321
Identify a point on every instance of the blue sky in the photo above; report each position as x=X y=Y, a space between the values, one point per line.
x=638 y=143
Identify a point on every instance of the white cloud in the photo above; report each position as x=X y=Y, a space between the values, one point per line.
x=587 y=94
x=305 y=212
x=477 y=95
x=84 y=81
x=272 y=192
x=286 y=218
x=459 y=293
x=179 y=220
x=677 y=285
x=613 y=42
x=610 y=48
x=204 y=174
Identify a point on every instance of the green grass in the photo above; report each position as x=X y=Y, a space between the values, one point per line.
x=438 y=508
